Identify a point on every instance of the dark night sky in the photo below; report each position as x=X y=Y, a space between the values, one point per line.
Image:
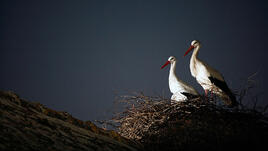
x=72 y=55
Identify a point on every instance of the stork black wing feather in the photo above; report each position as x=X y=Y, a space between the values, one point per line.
x=220 y=84
x=223 y=86
x=189 y=95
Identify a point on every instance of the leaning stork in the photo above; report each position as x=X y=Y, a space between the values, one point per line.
x=181 y=91
x=209 y=78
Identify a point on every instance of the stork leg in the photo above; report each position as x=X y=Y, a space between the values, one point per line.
x=211 y=94
x=206 y=94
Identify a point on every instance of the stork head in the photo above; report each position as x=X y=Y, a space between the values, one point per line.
x=171 y=60
x=194 y=44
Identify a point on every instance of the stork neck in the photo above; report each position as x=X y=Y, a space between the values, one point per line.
x=195 y=53
x=172 y=71
x=194 y=61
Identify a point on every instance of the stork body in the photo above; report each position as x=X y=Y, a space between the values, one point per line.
x=181 y=91
x=210 y=79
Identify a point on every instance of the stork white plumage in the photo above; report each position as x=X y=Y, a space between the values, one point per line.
x=181 y=91
x=209 y=78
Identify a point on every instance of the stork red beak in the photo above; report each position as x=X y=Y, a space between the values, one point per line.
x=191 y=48
x=168 y=62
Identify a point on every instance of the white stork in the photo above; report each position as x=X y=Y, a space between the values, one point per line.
x=181 y=91
x=209 y=78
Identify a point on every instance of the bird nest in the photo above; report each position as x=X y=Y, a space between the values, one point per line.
x=146 y=116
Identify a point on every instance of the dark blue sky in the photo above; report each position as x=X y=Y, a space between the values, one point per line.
x=72 y=55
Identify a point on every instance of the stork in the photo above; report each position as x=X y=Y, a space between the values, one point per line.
x=209 y=78
x=181 y=91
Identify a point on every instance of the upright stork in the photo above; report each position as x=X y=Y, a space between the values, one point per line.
x=209 y=78
x=181 y=91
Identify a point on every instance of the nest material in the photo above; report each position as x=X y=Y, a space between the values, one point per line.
x=160 y=124
x=199 y=123
x=146 y=116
